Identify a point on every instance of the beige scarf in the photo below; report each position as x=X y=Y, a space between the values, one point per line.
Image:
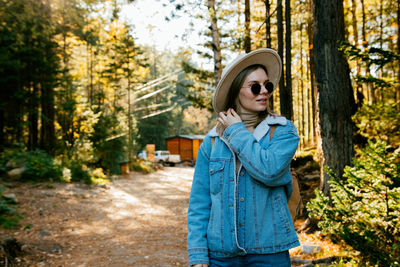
x=249 y=118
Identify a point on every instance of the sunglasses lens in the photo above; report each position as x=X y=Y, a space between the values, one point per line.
x=269 y=86
x=256 y=88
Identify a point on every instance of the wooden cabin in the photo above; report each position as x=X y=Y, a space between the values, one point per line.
x=186 y=146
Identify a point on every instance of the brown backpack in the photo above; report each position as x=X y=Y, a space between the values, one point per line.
x=295 y=202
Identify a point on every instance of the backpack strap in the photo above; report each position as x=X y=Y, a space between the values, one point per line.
x=273 y=127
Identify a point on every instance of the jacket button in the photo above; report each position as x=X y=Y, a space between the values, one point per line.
x=241 y=199
x=241 y=173
x=240 y=224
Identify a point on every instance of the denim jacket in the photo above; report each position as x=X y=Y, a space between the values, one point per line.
x=241 y=213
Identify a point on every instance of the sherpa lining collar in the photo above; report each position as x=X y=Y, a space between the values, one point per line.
x=262 y=128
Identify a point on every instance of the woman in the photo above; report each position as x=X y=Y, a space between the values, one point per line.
x=238 y=213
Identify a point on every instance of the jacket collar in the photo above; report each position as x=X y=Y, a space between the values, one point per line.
x=262 y=128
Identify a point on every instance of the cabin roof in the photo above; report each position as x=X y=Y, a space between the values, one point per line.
x=191 y=137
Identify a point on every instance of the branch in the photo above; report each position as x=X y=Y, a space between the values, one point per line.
x=265 y=21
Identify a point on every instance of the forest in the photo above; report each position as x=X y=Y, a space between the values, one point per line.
x=80 y=95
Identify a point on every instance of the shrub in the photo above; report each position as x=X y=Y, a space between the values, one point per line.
x=144 y=166
x=8 y=217
x=108 y=143
x=39 y=166
x=379 y=121
x=364 y=209
x=79 y=172
x=98 y=176
x=11 y=158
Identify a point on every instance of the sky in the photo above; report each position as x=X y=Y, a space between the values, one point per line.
x=151 y=28
x=147 y=17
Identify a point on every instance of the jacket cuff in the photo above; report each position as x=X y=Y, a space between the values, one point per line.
x=232 y=130
x=198 y=255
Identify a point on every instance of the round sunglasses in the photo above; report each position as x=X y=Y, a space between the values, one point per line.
x=256 y=88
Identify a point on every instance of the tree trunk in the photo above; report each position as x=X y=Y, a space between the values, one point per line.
x=215 y=40
x=303 y=102
x=268 y=24
x=90 y=59
x=336 y=100
x=287 y=101
x=247 y=39
x=47 y=130
x=279 y=15
x=354 y=21
x=33 y=118
x=380 y=92
x=359 y=90
x=128 y=74
x=314 y=89
x=398 y=53
x=369 y=90
x=239 y=26
x=268 y=38
x=355 y=27
x=2 y=126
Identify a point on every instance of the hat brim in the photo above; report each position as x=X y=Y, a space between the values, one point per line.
x=267 y=57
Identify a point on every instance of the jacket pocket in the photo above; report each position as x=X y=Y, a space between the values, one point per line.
x=283 y=219
x=216 y=177
x=215 y=224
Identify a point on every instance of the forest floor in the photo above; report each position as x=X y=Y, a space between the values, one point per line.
x=137 y=220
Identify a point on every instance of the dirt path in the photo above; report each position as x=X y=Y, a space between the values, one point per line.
x=138 y=220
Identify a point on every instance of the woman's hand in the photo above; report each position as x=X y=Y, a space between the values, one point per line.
x=200 y=265
x=229 y=117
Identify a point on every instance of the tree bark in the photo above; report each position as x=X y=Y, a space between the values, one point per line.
x=128 y=77
x=47 y=130
x=279 y=14
x=268 y=39
x=33 y=118
x=359 y=89
x=287 y=101
x=314 y=89
x=2 y=126
x=369 y=90
x=303 y=103
x=354 y=21
x=215 y=40
x=336 y=100
x=355 y=27
x=239 y=26
x=268 y=23
x=247 y=39
x=380 y=93
x=398 y=52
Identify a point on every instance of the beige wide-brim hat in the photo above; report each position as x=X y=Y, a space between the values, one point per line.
x=267 y=57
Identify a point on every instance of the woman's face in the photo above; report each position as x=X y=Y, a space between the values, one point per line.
x=249 y=101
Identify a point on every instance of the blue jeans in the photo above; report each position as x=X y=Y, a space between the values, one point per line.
x=280 y=259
